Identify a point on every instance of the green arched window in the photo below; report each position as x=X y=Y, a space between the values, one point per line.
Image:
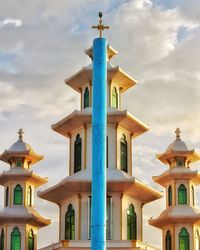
x=182 y=194
x=86 y=98
x=77 y=154
x=184 y=239
x=29 y=196
x=169 y=196
x=2 y=240
x=124 y=154
x=18 y=195
x=192 y=195
x=7 y=196
x=70 y=223
x=131 y=223
x=31 y=240
x=15 y=239
x=114 y=98
x=168 y=241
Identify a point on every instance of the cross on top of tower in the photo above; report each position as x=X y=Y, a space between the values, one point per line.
x=20 y=132
x=178 y=134
x=100 y=26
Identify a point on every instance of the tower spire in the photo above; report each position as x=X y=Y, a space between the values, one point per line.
x=100 y=26
x=178 y=134
x=20 y=132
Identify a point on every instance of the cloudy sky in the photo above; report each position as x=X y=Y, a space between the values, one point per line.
x=43 y=42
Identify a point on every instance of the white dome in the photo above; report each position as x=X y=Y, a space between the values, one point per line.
x=177 y=145
x=20 y=146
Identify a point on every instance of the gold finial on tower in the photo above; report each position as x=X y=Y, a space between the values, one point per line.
x=178 y=133
x=100 y=26
x=20 y=132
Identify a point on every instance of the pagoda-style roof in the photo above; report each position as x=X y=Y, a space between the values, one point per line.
x=177 y=173
x=21 y=174
x=117 y=181
x=20 y=214
x=177 y=149
x=114 y=73
x=176 y=214
x=78 y=118
x=20 y=149
x=110 y=52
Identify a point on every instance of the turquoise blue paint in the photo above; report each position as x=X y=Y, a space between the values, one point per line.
x=99 y=128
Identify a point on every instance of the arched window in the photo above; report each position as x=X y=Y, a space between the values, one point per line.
x=131 y=223
x=168 y=241
x=2 y=240
x=184 y=239
x=77 y=154
x=124 y=154
x=29 y=196
x=7 y=196
x=31 y=240
x=70 y=223
x=182 y=194
x=197 y=240
x=18 y=195
x=86 y=98
x=169 y=196
x=192 y=195
x=15 y=239
x=114 y=98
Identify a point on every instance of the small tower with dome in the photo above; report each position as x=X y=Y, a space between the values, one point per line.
x=180 y=221
x=19 y=221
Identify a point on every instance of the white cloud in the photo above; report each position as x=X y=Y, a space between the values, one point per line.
x=10 y=21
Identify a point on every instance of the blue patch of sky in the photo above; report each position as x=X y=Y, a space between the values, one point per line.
x=168 y=4
x=6 y=61
x=183 y=33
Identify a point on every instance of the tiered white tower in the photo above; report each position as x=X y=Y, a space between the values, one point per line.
x=126 y=195
x=180 y=221
x=19 y=221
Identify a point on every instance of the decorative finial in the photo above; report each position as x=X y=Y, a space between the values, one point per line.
x=20 y=132
x=100 y=26
x=178 y=134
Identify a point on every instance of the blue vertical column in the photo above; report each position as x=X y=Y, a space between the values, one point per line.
x=99 y=128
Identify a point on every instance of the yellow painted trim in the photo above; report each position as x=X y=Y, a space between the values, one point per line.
x=11 y=194
x=59 y=222
x=85 y=146
x=110 y=94
x=116 y=147
x=81 y=103
x=131 y=165
x=79 y=216
x=175 y=193
x=174 y=238
x=65 y=243
x=6 y=239
x=121 y=216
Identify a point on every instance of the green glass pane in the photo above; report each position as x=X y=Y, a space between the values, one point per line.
x=123 y=156
x=86 y=98
x=170 y=196
x=77 y=154
x=131 y=224
x=182 y=194
x=15 y=239
x=18 y=194
x=70 y=224
x=114 y=98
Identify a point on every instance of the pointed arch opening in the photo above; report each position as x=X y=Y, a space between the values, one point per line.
x=124 y=154
x=168 y=241
x=86 y=102
x=192 y=195
x=70 y=223
x=18 y=195
x=182 y=194
x=29 y=196
x=131 y=223
x=169 y=195
x=16 y=239
x=184 y=243
x=2 y=240
x=7 y=196
x=77 y=153
x=115 y=99
x=31 y=240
